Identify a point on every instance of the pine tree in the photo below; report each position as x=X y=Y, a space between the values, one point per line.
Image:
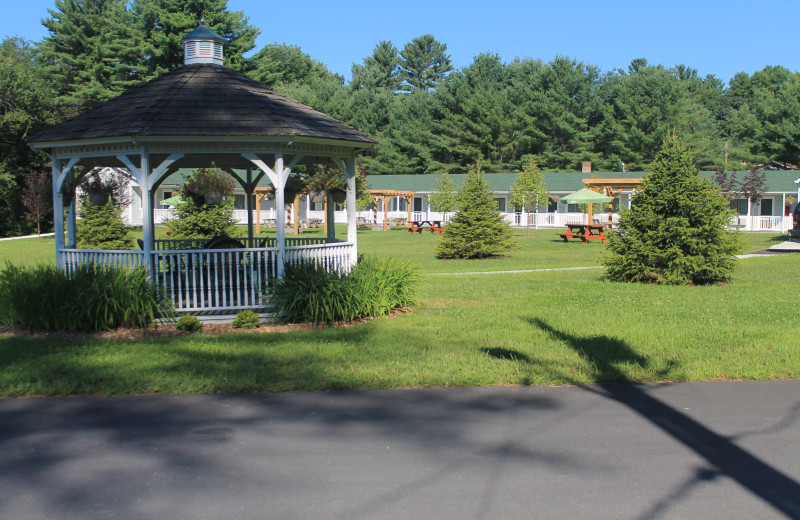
x=92 y=52
x=675 y=232
x=277 y=64
x=379 y=71
x=102 y=227
x=424 y=63
x=477 y=230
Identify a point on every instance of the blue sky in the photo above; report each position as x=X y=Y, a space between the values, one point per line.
x=714 y=37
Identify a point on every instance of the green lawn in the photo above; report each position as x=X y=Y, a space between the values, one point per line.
x=550 y=327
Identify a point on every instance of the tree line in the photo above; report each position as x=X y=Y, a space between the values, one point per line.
x=427 y=116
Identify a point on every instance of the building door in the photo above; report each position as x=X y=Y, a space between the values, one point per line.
x=766 y=207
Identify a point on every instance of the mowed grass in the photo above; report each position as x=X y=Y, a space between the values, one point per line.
x=542 y=327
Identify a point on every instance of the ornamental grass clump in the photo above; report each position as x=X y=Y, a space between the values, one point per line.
x=90 y=298
x=376 y=286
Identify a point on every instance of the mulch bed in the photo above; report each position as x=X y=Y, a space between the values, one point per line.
x=169 y=331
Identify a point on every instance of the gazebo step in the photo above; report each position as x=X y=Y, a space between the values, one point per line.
x=215 y=319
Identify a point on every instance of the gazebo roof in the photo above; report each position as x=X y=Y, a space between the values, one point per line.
x=202 y=100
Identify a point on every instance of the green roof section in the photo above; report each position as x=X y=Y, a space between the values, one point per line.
x=777 y=181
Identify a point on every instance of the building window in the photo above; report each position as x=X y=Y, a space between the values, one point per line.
x=739 y=206
x=398 y=204
x=766 y=207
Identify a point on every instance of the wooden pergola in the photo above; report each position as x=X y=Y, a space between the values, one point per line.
x=384 y=196
x=612 y=188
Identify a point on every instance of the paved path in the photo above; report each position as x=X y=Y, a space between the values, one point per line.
x=663 y=451
x=684 y=450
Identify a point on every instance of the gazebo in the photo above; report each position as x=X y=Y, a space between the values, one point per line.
x=199 y=115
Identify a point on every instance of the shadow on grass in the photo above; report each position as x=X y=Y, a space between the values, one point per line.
x=223 y=364
x=606 y=354
x=507 y=354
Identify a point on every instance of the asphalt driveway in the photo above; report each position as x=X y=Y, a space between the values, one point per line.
x=682 y=450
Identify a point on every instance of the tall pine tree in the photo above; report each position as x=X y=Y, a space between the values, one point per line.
x=424 y=63
x=163 y=23
x=92 y=52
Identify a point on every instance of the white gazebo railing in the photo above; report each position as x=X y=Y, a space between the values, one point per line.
x=214 y=280
x=123 y=259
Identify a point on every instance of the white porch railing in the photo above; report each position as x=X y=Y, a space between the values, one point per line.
x=775 y=224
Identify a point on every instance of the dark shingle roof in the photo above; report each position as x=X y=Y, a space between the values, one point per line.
x=202 y=100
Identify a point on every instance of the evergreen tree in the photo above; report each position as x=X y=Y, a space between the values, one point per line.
x=163 y=23
x=92 y=52
x=379 y=71
x=476 y=123
x=424 y=63
x=675 y=232
x=102 y=227
x=280 y=63
x=477 y=230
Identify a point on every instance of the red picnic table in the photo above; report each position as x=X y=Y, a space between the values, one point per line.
x=585 y=232
x=420 y=225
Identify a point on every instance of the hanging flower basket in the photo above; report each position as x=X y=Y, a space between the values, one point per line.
x=339 y=196
x=208 y=186
x=97 y=197
x=214 y=198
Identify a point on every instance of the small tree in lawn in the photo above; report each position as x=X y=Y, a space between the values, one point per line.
x=477 y=230
x=36 y=198
x=444 y=199
x=754 y=185
x=675 y=232
x=528 y=191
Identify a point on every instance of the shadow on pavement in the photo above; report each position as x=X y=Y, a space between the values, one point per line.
x=761 y=479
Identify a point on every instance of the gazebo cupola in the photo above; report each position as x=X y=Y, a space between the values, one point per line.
x=202 y=46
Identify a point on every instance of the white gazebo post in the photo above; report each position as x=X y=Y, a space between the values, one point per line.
x=348 y=166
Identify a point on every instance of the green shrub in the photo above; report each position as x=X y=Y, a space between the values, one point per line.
x=102 y=227
x=90 y=298
x=309 y=293
x=246 y=320
x=189 y=323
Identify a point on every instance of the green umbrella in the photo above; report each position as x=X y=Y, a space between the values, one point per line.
x=586 y=196
x=172 y=201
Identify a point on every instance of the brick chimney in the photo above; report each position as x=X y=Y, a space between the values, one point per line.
x=586 y=167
